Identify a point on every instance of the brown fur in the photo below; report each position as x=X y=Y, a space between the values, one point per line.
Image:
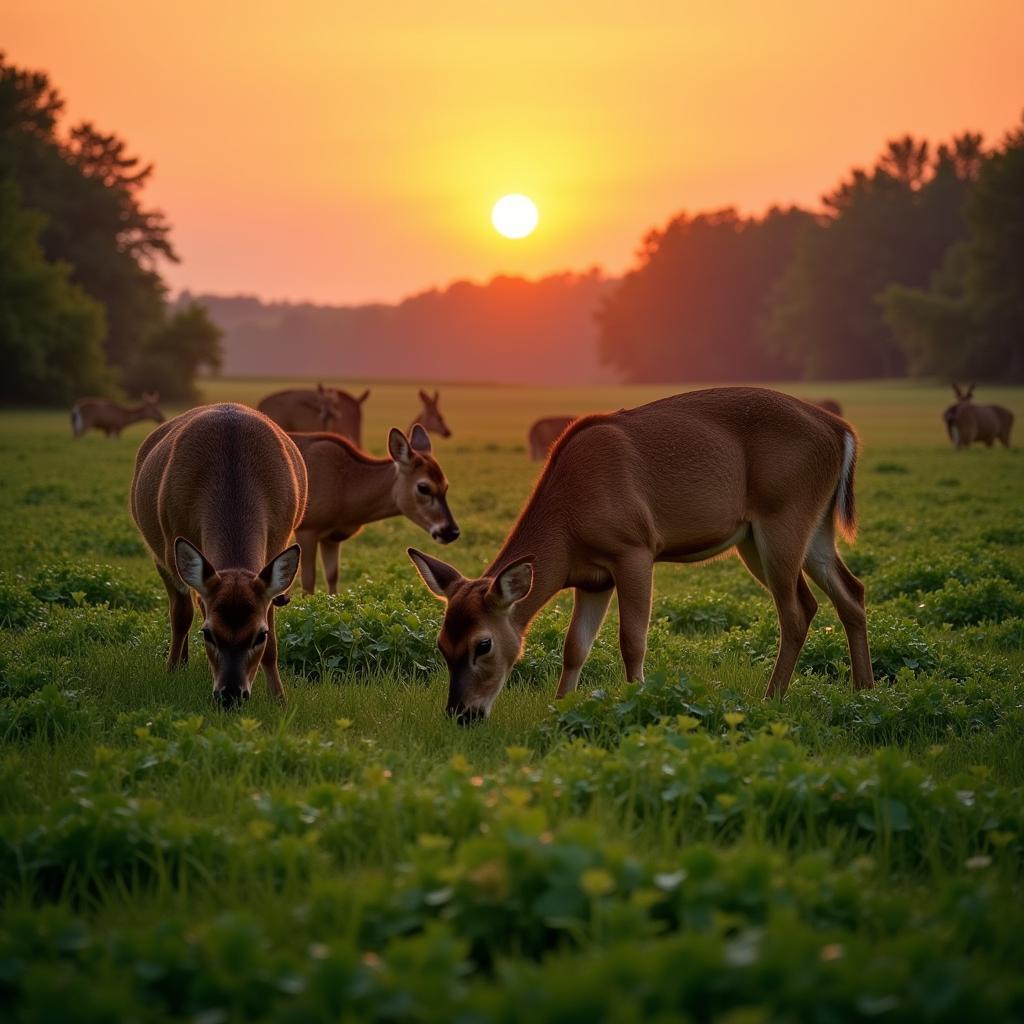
x=348 y=489
x=306 y=409
x=229 y=482
x=679 y=480
x=967 y=422
x=430 y=417
x=830 y=405
x=111 y=418
x=544 y=433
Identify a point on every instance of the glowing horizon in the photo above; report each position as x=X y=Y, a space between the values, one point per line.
x=341 y=155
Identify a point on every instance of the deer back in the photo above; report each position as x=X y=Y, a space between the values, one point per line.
x=224 y=477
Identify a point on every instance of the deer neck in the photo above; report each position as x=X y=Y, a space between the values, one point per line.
x=540 y=531
x=374 y=498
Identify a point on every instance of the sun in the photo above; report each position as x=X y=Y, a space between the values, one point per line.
x=514 y=216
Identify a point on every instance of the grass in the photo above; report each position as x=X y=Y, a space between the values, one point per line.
x=680 y=849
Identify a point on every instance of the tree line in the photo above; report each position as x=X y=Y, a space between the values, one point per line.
x=914 y=266
x=83 y=308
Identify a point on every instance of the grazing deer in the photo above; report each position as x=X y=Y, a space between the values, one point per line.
x=348 y=489
x=110 y=417
x=216 y=494
x=830 y=405
x=679 y=480
x=303 y=409
x=967 y=422
x=430 y=417
x=544 y=433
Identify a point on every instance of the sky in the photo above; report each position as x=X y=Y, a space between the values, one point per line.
x=346 y=152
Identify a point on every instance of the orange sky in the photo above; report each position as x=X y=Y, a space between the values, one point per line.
x=345 y=152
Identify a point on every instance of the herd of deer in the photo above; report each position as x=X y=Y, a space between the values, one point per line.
x=219 y=490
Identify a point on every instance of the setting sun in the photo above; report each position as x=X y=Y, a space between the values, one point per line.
x=514 y=216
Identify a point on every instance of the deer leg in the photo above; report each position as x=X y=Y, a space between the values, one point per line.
x=634 y=583
x=588 y=612
x=825 y=566
x=329 y=554
x=780 y=549
x=269 y=659
x=307 y=559
x=181 y=611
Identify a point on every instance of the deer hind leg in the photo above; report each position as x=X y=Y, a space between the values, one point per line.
x=181 y=612
x=588 y=612
x=774 y=554
x=269 y=659
x=825 y=566
x=634 y=583
x=329 y=553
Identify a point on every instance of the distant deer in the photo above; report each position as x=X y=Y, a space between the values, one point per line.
x=679 y=480
x=216 y=494
x=110 y=417
x=830 y=405
x=348 y=489
x=303 y=409
x=430 y=417
x=967 y=422
x=544 y=433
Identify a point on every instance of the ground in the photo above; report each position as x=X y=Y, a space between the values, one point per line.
x=677 y=851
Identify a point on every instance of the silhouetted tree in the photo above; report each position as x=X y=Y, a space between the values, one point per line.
x=50 y=330
x=892 y=225
x=690 y=309
x=970 y=322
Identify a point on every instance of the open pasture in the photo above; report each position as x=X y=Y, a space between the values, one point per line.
x=679 y=851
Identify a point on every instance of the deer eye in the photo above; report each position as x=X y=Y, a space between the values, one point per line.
x=423 y=488
x=208 y=636
x=483 y=647
x=260 y=638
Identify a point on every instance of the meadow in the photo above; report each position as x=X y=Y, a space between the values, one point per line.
x=677 y=851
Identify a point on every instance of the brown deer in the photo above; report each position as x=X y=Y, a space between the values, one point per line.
x=830 y=405
x=679 y=480
x=216 y=494
x=348 y=489
x=305 y=409
x=544 y=433
x=967 y=422
x=430 y=417
x=110 y=417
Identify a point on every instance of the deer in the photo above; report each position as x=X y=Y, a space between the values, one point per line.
x=111 y=418
x=544 y=433
x=430 y=417
x=216 y=494
x=830 y=405
x=349 y=488
x=684 y=479
x=306 y=409
x=967 y=422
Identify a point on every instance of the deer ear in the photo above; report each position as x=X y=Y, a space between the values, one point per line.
x=437 y=397
x=442 y=579
x=424 y=397
x=957 y=392
x=398 y=447
x=419 y=439
x=512 y=584
x=279 y=573
x=970 y=391
x=192 y=566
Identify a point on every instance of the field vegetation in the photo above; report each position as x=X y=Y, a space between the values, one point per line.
x=676 y=851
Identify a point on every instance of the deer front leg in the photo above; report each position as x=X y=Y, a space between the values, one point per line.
x=269 y=659
x=329 y=555
x=634 y=583
x=588 y=613
x=307 y=559
x=181 y=611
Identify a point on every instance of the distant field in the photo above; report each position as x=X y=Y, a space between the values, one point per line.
x=681 y=851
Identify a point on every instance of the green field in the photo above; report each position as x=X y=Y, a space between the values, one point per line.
x=681 y=851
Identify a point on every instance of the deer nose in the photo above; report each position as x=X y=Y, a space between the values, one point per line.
x=446 y=534
x=230 y=697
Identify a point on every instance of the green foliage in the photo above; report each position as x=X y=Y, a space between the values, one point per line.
x=681 y=849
